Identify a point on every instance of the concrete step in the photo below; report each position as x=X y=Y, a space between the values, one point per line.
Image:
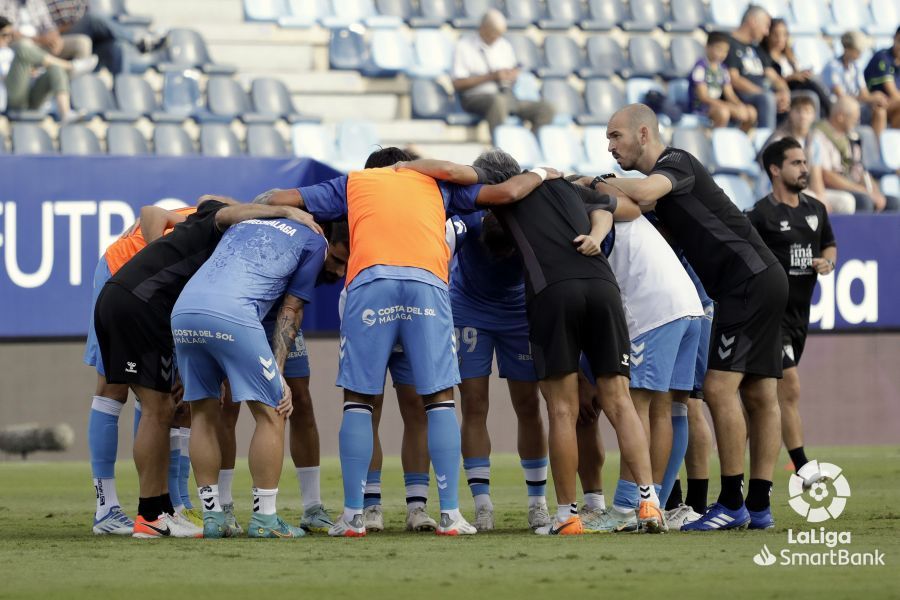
x=188 y=13
x=459 y=153
x=400 y=133
x=261 y=32
x=339 y=107
x=264 y=57
x=338 y=82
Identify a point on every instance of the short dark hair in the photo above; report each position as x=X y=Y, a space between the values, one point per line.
x=802 y=100
x=4 y=23
x=718 y=37
x=773 y=154
x=337 y=232
x=498 y=165
x=495 y=238
x=385 y=157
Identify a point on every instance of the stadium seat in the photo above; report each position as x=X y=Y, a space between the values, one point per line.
x=347 y=50
x=434 y=13
x=848 y=15
x=355 y=140
x=432 y=53
x=605 y=58
x=123 y=139
x=187 y=50
x=807 y=17
x=527 y=53
x=871 y=152
x=170 y=139
x=678 y=92
x=603 y=15
x=390 y=53
x=431 y=101
x=345 y=13
x=76 y=139
x=30 y=138
x=647 y=58
x=812 y=52
x=890 y=185
x=314 y=140
x=890 y=148
x=471 y=12
x=685 y=52
x=760 y=136
x=265 y=11
x=115 y=9
x=401 y=9
x=737 y=189
x=522 y=13
x=568 y=103
x=181 y=94
x=271 y=97
x=596 y=150
x=733 y=152
x=726 y=14
x=637 y=87
x=885 y=14
x=303 y=14
x=562 y=56
x=520 y=143
x=603 y=98
x=775 y=8
x=645 y=15
x=217 y=139
x=90 y=94
x=686 y=16
x=264 y=140
x=694 y=140
x=562 y=14
x=227 y=100
x=134 y=95
x=560 y=142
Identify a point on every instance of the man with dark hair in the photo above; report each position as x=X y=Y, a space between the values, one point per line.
x=883 y=75
x=743 y=276
x=796 y=228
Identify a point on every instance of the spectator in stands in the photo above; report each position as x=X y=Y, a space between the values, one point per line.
x=883 y=75
x=484 y=71
x=108 y=37
x=23 y=93
x=777 y=54
x=710 y=92
x=844 y=77
x=755 y=84
x=836 y=149
x=31 y=19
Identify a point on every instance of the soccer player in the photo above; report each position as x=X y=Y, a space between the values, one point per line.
x=743 y=276
x=397 y=291
x=487 y=293
x=796 y=228
x=106 y=405
x=218 y=332
x=573 y=306
x=131 y=319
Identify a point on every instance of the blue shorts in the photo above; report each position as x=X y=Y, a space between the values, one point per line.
x=400 y=367
x=210 y=349
x=92 y=348
x=706 y=324
x=476 y=347
x=297 y=362
x=663 y=358
x=383 y=312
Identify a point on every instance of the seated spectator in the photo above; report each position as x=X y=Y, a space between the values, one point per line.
x=836 y=149
x=710 y=92
x=109 y=38
x=31 y=19
x=760 y=87
x=23 y=93
x=844 y=78
x=484 y=71
x=777 y=54
x=883 y=75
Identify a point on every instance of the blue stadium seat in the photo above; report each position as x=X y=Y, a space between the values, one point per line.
x=678 y=92
x=885 y=14
x=760 y=136
x=871 y=152
x=432 y=53
x=686 y=16
x=471 y=12
x=431 y=101
x=848 y=15
x=603 y=15
x=562 y=55
x=355 y=140
x=520 y=143
x=170 y=139
x=568 y=103
x=605 y=58
x=694 y=140
x=227 y=100
x=685 y=52
x=527 y=53
x=134 y=95
x=123 y=139
x=637 y=87
x=603 y=98
x=303 y=14
x=271 y=97
x=401 y=9
x=264 y=140
x=737 y=189
x=726 y=14
x=314 y=140
x=560 y=142
x=344 y=13
x=90 y=94
x=522 y=13
x=890 y=185
x=181 y=95
x=775 y=8
x=434 y=13
x=347 y=50
x=265 y=11
x=115 y=9
x=647 y=58
x=389 y=53
x=807 y=17
x=596 y=149
x=812 y=52
x=187 y=50
x=645 y=15
x=217 y=139
x=733 y=152
x=76 y=139
x=562 y=14
x=30 y=138
x=890 y=148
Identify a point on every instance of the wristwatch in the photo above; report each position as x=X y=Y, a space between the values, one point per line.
x=600 y=178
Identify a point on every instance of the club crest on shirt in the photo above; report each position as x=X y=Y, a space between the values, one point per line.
x=812 y=221
x=785 y=226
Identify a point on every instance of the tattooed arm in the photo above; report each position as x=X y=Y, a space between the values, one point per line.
x=290 y=315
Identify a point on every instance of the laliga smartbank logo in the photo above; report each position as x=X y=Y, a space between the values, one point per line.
x=818 y=493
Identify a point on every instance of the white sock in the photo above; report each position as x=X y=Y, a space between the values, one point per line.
x=648 y=494
x=209 y=497
x=595 y=501
x=264 y=501
x=536 y=501
x=106 y=496
x=483 y=500
x=226 y=476
x=566 y=511
x=184 y=437
x=349 y=513
x=453 y=513
x=309 y=486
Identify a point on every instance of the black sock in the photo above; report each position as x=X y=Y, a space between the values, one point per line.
x=697 y=494
x=732 y=494
x=798 y=457
x=150 y=508
x=674 y=496
x=758 y=494
x=165 y=504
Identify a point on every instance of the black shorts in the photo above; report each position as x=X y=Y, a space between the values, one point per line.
x=793 y=340
x=575 y=316
x=135 y=340
x=747 y=327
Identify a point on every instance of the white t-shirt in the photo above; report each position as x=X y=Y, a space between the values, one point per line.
x=655 y=287
x=473 y=57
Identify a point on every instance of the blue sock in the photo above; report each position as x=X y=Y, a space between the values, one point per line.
x=535 y=475
x=679 y=449
x=372 y=494
x=478 y=475
x=174 y=466
x=355 y=444
x=444 y=448
x=416 y=489
x=184 y=468
x=137 y=417
x=626 y=495
x=103 y=436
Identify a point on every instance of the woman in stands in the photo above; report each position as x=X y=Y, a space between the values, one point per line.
x=776 y=53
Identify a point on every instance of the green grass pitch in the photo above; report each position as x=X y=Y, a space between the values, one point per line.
x=47 y=550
